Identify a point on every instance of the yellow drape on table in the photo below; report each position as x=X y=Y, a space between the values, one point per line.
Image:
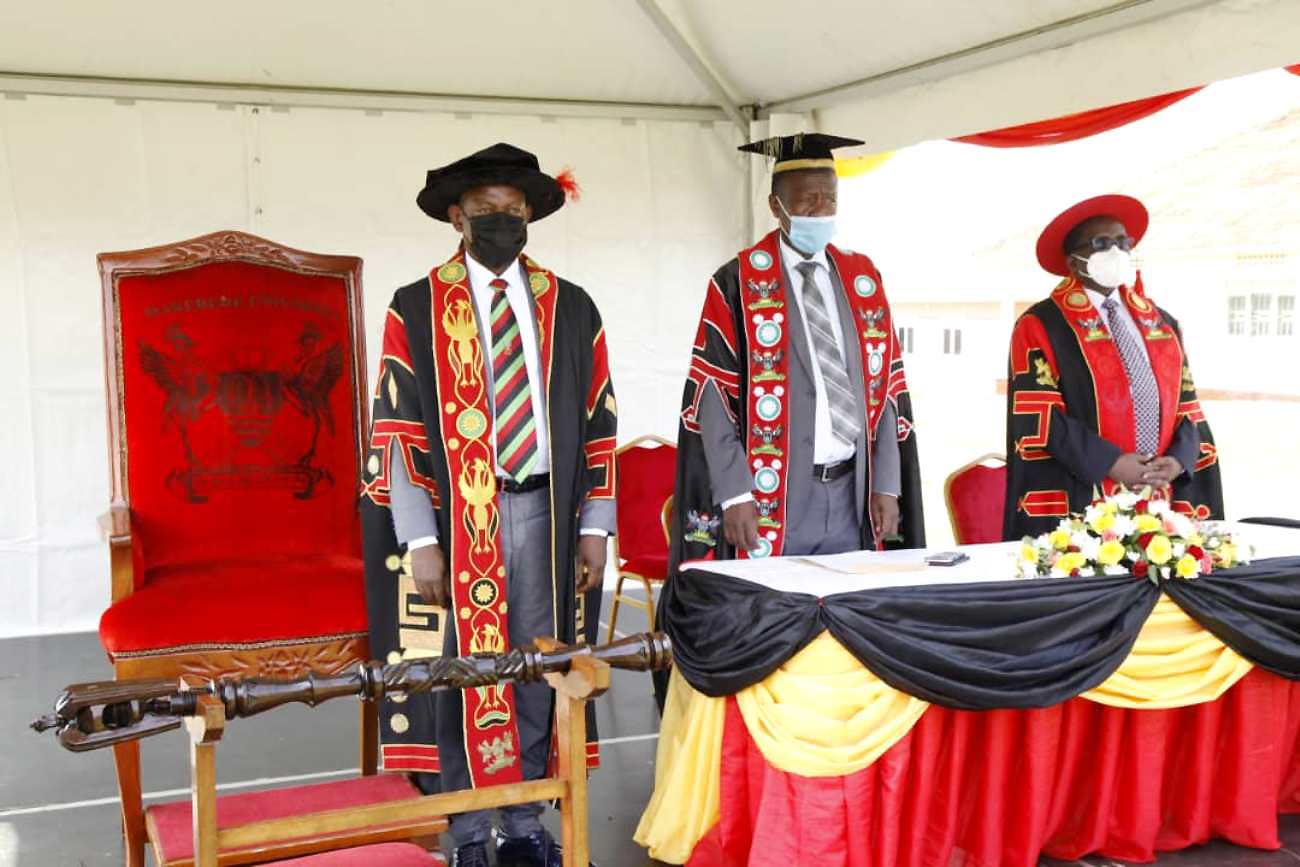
x=685 y=803
x=1175 y=663
x=823 y=714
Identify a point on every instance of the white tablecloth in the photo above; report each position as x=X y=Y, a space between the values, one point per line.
x=866 y=570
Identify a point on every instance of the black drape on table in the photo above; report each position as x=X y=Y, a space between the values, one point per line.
x=1000 y=644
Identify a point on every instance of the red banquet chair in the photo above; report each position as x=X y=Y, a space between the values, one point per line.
x=235 y=370
x=646 y=468
x=975 y=495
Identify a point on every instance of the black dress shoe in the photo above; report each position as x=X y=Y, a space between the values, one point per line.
x=538 y=849
x=470 y=855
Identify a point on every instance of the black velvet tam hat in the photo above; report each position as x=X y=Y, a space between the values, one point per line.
x=499 y=164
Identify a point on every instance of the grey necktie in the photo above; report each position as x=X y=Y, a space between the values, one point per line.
x=1141 y=382
x=845 y=424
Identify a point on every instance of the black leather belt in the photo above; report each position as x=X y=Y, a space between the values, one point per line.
x=831 y=472
x=532 y=483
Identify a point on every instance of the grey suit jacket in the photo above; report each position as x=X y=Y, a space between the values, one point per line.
x=724 y=446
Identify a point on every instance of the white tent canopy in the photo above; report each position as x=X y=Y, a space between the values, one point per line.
x=130 y=125
x=894 y=72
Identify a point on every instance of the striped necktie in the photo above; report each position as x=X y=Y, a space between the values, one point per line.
x=1141 y=381
x=516 y=428
x=845 y=424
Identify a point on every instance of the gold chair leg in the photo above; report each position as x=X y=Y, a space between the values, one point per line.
x=613 y=609
x=127 y=758
x=649 y=603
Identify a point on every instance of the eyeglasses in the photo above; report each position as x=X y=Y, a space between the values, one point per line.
x=1101 y=242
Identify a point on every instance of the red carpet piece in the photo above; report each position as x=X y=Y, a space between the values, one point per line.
x=379 y=855
x=997 y=788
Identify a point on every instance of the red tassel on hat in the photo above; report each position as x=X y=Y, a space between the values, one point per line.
x=568 y=183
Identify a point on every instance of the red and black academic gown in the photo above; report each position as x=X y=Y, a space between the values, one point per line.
x=432 y=403
x=742 y=348
x=1070 y=413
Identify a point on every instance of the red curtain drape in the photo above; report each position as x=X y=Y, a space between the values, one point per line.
x=997 y=788
x=1075 y=126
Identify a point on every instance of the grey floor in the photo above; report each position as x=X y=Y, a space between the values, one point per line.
x=59 y=808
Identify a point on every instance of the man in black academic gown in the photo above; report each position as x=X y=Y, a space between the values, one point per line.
x=491 y=466
x=1100 y=395
x=796 y=429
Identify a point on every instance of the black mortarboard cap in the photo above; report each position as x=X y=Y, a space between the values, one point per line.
x=805 y=150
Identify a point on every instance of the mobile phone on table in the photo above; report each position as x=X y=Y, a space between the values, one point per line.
x=946 y=558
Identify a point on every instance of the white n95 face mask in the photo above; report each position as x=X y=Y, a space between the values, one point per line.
x=1112 y=268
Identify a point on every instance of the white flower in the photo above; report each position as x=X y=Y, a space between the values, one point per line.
x=1159 y=508
x=1115 y=570
x=1181 y=523
x=1092 y=513
x=1179 y=550
x=1087 y=572
x=1028 y=570
x=1088 y=546
x=1124 y=526
x=1126 y=500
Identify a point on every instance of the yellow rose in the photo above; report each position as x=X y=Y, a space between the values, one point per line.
x=1070 y=561
x=1148 y=523
x=1226 y=555
x=1103 y=522
x=1187 y=567
x=1159 y=550
x=1028 y=553
x=1060 y=539
x=1110 y=553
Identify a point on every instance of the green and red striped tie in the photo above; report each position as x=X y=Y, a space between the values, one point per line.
x=516 y=427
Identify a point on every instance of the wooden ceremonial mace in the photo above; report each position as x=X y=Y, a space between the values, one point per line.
x=90 y=716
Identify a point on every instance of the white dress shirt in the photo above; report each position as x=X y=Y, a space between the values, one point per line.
x=827 y=448
x=1125 y=316
x=521 y=302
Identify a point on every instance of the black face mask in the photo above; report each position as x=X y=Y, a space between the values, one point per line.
x=498 y=239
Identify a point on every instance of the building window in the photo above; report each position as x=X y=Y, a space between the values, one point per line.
x=1261 y=314
x=1285 y=315
x=952 y=341
x=905 y=339
x=1237 y=314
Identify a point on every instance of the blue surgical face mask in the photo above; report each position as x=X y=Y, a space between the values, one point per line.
x=809 y=235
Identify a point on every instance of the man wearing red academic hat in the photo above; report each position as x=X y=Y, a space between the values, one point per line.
x=491 y=467
x=1099 y=391
x=796 y=432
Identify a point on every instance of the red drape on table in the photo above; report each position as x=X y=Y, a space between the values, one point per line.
x=1075 y=126
x=997 y=788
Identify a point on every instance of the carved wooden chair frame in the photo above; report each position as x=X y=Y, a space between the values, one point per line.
x=586 y=679
x=335 y=654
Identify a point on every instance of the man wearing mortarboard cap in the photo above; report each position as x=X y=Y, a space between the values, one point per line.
x=491 y=464
x=1099 y=392
x=796 y=427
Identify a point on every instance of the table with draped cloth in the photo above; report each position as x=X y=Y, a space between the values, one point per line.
x=869 y=711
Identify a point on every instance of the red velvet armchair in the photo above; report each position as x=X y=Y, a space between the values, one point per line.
x=647 y=469
x=975 y=495
x=235 y=372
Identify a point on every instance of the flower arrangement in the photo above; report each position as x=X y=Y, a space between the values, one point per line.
x=1130 y=533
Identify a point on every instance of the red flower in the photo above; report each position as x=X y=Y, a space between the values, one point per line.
x=1140 y=569
x=1141 y=507
x=1145 y=539
x=1073 y=549
x=1196 y=551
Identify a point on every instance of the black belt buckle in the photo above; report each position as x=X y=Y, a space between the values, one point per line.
x=532 y=483
x=825 y=473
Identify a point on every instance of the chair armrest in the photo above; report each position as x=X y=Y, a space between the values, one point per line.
x=115 y=525
x=115 y=529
